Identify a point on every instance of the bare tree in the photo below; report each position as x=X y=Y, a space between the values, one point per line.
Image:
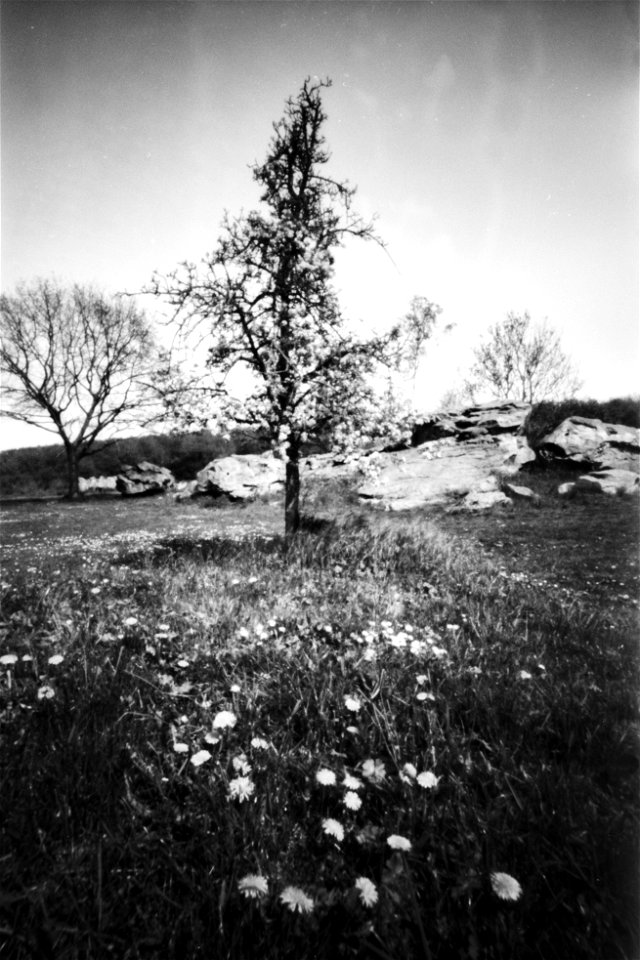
x=74 y=362
x=522 y=361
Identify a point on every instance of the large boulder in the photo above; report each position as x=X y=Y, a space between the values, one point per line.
x=97 y=484
x=241 y=477
x=592 y=444
x=144 y=479
x=614 y=483
x=483 y=420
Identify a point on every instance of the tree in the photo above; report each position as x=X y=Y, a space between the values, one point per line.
x=522 y=361
x=266 y=293
x=75 y=362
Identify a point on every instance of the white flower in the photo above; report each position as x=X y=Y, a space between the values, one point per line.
x=409 y=771
x=352 y=783
x=505 y=886
x=56 y=659
x=200 y=757
x=211 y=738
x=181 y=747
x=235 y=688
x=422 y=696
x=130 y=622
x=253 y=885
x=374 y=770
x=326 y=777
x=353 y=704
x=351 y=800
x=418 y=647
x=46 y=692
x=524 y=675
x=366 y=891
x=421 y=678
x=183 y=663
x=240 y=764
x=259 y=744
x=333 y=828
x=439 y=652
x=397 y=842
x=427 y=780
x=241 y=788
x=224 y=719
x=8 y=659
x=297 y=900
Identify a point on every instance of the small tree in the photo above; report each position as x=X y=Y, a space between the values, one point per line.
x=75 y=362
x=266 y=292
x=522 y=361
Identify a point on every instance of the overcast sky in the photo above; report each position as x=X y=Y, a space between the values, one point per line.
x=496 y=141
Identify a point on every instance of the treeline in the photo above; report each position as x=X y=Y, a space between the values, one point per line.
x=41 y=471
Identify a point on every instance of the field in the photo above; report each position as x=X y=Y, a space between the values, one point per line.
x=416 y=736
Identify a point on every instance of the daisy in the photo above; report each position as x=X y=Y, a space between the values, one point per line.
x=333 y=829
x=408 y=773
x=181 y=748
x=374 y=770
x=427 y=780
x=351 y=783
x=46 y=692
x=240 y=764
x=259 y=744
x=224 y=719
x=8 y=659
x=253 y=886
x=353 y=704
x=366 y=891
x=351 y=800
x=56 y=659
x=241 y=788
x=505 y=886
x=326 y=777
x=200 y=757
x=397 y=842
x=297 y=900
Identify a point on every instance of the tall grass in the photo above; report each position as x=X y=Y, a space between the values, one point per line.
x=370 y=648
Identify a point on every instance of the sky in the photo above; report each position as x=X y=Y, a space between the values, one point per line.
x=496 y=142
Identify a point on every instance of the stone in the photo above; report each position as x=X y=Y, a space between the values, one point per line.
x=241 y=476
x=488 y=419
x=613 y=483
x=516 y=492
x=567 y=491
x=485 y=499
x=591 y=443
x=185 y=490
x=96 y=484
x=144 y=479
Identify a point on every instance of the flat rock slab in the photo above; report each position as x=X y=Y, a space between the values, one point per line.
x=614 y=483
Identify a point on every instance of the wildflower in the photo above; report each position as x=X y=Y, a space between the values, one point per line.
x=211 y=738
x=8 y=659
x=241 y=788
x=374 y=770
x=427 y=780
x=235 y=688
x=421 y=678
x=418 y=647
x=240 y=764
x=351 y=800
x=422 y=696
x=253 y=886
x=200 y=757
x=95 y=591
x=408 y=773
x=353 y=704
x=524 y=675
x=351 y=783
x=259 y=744
x=46 y=692
x=224 y=719
x=352 y=730
x=297 y=900
x=438 y=652
x=366 y=891
x=181 y=748
x=505 y=886
x=56 y=659
x=333 y=829
x=397 y=842
x=326 y=777
x=130 y=622
x=183 y=663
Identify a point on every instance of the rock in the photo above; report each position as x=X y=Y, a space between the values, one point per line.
x=489 y=419
x=144 y=479
x=520 y=493
x=96 y=484
x=614 y=483
x=593 y=444
x=484 y=499
x=185 y=490
x=241 y=477
x=567 y=491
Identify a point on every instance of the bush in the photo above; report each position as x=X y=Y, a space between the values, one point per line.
x=546 y=416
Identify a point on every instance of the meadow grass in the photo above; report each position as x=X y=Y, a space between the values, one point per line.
x=213 y=751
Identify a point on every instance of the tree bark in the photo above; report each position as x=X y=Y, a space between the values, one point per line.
x=292 y=495
x=73 y=474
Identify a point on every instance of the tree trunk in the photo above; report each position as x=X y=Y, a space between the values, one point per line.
x=73 y=475
x=292 y=495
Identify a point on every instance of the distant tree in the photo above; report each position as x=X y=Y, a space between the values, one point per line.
x=522 y=361
x=74 y=362
x=266 y=293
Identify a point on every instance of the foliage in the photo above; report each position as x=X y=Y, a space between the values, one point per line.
x=523 y=361
x=546 y=416
x=266 y=292
x=380 y=650
x=75 y=363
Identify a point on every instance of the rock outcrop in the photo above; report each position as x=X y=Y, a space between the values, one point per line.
x=613 y=483
x=241 y=477
x=144 y=479
x=97 y=484
x=593 y=445
x=484 y=420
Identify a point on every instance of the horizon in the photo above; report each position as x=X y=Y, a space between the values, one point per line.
x=497 y=143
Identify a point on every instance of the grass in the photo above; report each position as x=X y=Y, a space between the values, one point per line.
x=446 y=642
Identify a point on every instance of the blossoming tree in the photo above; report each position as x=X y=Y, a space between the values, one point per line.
x=265 y=294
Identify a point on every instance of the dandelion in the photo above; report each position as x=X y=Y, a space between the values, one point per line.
x=333 y=828
x=524 y=675
x=259 y=744
x=297 y=900
x=130 y=622
x=211 y=738
x=224 y=719
x=418 y=647
x=326 y=777
x=374 y=770
x=351 y=783
x=366 y=891
x=56 y=659
x=505 y=886
x=353 y=704
x=351 y=800
x=235 y=688
x=241 y=789
x=181 y=748
x=46 y=692
x=8 y=659
x=200 y=757
x=396 y=842
x=421 y=678
x=352 y=730
x=427 y=780
x=253 y=886
x=240 y=764
x=183 y=663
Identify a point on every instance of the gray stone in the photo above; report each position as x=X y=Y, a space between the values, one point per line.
x=485 y=499
x=241 y=477
x=593 y=444
x=144 y=479
x=567 y=491
x=613 y=483
x=489 y=419
x=520 y=493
